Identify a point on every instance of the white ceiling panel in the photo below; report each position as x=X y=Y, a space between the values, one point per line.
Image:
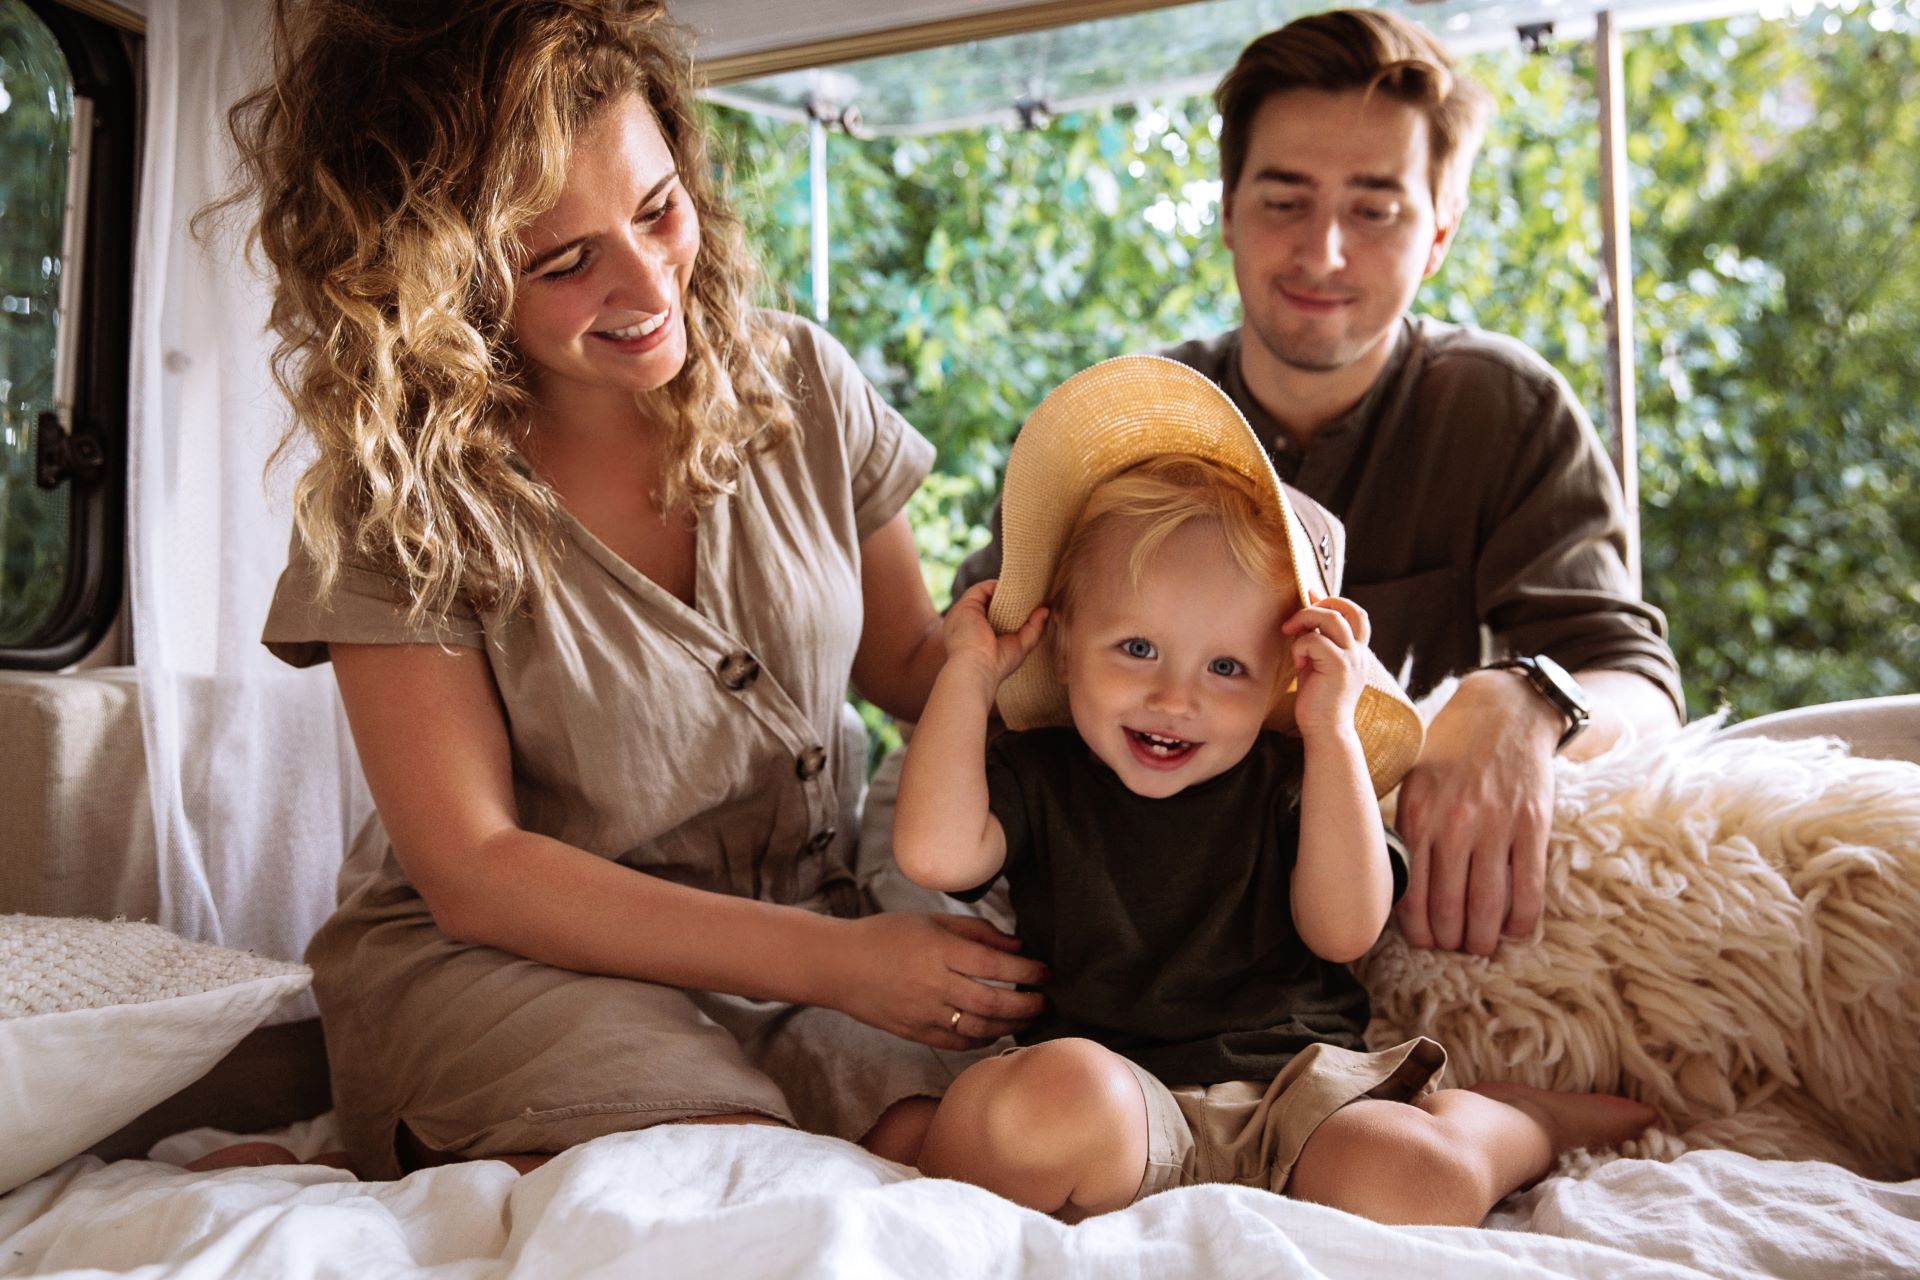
x=1153 y=51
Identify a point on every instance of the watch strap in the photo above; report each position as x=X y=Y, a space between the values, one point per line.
x=1557 y=686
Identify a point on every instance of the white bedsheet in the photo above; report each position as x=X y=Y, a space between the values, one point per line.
x=690 y=1201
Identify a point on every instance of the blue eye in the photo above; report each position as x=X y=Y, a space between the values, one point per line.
x=1225 y=667
x=1137 y=648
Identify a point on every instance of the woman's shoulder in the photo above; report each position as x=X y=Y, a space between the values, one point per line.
x=807 y=354
x=831 y=395
x=357 y=603
x=848 y=438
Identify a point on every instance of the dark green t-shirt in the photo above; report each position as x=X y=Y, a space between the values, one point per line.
x=1167 y=924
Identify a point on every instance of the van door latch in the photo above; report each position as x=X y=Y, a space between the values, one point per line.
x=60 y=455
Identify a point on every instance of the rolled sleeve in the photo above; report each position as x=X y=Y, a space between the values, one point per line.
x=887 y=460
x=364 y=607
x=1552 y=575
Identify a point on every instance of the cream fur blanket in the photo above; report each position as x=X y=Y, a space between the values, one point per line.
x=1731 y=933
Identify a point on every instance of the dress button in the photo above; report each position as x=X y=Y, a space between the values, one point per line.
x=821 y=839
x=738 y=670
x=810 y=762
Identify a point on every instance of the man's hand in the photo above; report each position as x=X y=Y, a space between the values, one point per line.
x=1475 y=812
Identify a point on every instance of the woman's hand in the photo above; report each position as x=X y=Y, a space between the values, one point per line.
x=1329 y=651
x=908 y=974
x=971 y=638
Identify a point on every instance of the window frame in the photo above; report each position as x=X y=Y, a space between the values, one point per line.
x=102 y=65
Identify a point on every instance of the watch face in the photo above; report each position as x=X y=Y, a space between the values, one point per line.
x=1561 y=687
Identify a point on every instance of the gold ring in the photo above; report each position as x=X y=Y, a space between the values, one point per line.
x=953 y=1023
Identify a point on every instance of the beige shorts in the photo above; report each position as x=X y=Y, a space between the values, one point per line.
x=1250 y=1132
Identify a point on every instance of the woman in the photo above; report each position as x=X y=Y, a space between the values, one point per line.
x=594 y=548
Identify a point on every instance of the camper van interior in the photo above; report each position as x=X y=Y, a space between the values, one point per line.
x=1731 y=930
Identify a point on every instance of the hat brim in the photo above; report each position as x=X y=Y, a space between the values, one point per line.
x=1099 y=423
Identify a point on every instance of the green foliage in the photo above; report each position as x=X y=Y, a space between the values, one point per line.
x=35 y=108
x=1781 y=407
x=1777 y=280
x=1526 y=260
x=972 y=271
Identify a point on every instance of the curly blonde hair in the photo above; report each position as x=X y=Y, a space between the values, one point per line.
x=396 y=153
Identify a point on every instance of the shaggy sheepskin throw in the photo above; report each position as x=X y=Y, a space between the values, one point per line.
x=1731 y=933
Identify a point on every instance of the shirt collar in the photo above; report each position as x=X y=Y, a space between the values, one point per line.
x=1269 y=430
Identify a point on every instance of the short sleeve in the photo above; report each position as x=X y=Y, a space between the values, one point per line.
x=364 y=607
x=1007 y=803
x=886 y=458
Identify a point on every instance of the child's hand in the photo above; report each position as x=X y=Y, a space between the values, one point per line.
x=971 y=638
x=1329 y=651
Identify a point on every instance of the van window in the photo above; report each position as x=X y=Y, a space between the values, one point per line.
x=66 y=130
x=36 y=124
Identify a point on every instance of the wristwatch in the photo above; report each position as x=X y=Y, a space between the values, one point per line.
x=1557 y=687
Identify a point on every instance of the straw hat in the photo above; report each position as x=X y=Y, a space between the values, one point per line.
x=1090 y=428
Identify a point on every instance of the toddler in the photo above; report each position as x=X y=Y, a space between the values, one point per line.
x=1186 y=813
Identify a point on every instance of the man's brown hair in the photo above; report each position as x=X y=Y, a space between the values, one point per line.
x=1363 y=49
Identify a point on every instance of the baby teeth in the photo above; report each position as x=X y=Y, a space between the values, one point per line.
x=1160 y=745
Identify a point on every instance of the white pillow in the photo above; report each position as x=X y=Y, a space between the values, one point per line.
x=101 y=1020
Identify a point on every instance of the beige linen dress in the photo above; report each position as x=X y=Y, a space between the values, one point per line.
x=704 y=745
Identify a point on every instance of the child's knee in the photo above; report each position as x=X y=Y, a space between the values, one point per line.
x=1059 y=1117
x=1389 y=1161
x=1058 y=1097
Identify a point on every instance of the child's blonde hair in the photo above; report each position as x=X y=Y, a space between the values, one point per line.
x=1153 y=500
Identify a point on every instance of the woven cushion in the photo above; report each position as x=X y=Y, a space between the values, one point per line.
x=101 y=1020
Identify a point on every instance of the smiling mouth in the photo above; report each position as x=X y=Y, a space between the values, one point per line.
x=650 y=325
x=1158 y=750
x=1314 y=301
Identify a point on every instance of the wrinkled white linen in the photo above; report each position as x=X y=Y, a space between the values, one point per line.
x=732 y=1201
x=1734 y=1215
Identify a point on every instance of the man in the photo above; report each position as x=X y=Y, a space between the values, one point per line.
x=1484 y=519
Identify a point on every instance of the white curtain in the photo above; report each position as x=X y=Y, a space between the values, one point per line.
x=254 y=786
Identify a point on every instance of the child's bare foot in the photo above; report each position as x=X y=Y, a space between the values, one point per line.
x=1574 y=1121
x=243 y=1155
x=253 y=1155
